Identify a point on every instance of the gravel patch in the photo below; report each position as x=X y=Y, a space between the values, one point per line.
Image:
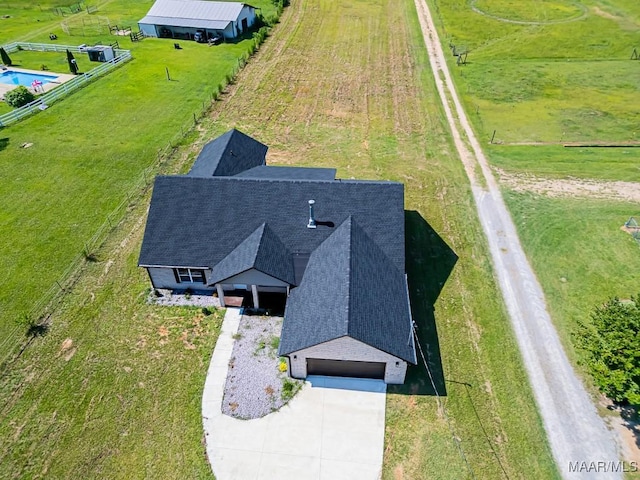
x=254 y=386
x=167 y=297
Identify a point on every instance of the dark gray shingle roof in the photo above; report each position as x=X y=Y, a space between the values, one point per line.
x=290 y=173
x=261 y=250
x=229 y=154
x=350 y=288
x=198 y=221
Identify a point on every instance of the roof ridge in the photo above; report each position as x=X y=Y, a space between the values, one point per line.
x=285 y=180
x=263 y=226
x=350 y=298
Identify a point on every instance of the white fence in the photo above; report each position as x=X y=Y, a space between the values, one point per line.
x=43 y=101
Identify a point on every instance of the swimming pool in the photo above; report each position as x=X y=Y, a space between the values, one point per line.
x=11 y=77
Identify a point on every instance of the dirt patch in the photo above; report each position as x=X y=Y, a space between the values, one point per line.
x=66 y=345
x=570 y=187
x=603 y=14
x=67 y=349
x=70 y=354
x=398 y=473
x=626 y=424
x=628 y=435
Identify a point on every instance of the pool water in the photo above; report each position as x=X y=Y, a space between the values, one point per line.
x=20 y=78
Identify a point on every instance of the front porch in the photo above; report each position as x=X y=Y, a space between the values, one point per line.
x=256 y=297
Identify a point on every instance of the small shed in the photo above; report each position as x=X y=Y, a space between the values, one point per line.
x=197 y=19
x=100 y=53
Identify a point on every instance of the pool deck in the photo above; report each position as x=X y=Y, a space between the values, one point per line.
x=62 y=78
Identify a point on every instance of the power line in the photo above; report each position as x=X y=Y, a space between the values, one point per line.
x=441 y=406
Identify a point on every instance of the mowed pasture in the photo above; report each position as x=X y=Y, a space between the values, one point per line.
x=549 y=83
x=86 y=154
x=543 y=84
x=360 y=97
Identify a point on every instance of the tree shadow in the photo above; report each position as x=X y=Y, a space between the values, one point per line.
x=4 y=143
x=429 y=262
x=630 y=416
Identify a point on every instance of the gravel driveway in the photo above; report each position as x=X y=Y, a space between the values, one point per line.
x=576 y=432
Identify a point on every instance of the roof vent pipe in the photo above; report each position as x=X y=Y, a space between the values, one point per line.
x=312 y=220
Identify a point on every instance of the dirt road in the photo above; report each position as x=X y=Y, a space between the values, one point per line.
x=578 y=436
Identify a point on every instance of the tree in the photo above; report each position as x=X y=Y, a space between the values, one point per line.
x=73 y=65
x=18 y=97
x=612 y=345
x=6 y=59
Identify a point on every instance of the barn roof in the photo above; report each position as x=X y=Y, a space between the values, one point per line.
x=193 y=13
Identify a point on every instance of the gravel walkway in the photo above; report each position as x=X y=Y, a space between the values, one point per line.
x=254 y=386
x=166 y=297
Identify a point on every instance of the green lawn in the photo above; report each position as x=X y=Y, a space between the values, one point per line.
x=553 y=83
x=88 y=152
x=550 y=83
x=579 y=252
x=114 y=389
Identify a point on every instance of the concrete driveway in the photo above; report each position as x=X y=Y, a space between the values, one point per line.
x=332 y=429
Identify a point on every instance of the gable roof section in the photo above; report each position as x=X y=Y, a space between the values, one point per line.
x=289 y=173
x=199 y=221
x=193 y=13
x=350 y=288
x=261 y=250
x=228 y=155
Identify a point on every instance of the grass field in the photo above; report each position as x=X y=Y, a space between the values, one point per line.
x=126 y=403
x=578 y=251
x=553 y=83
x=114 y=389
x=88 y=153
x=550 y=83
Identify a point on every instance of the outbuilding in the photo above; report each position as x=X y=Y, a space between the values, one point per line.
x=200 y=20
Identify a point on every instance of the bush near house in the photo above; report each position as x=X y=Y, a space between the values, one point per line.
x=612 y=342
x=18 y=97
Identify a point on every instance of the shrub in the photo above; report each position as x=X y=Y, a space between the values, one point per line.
x=612 y=345
x=18 y=97
x=282 y=366
x=288 y=389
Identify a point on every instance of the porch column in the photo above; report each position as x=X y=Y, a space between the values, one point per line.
x=220 y=294
x=254 y=291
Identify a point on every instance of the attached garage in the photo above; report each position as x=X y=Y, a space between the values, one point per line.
x=345 y=357
x=345 y=368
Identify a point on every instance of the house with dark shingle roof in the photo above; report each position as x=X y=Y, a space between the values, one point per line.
x=333 y=249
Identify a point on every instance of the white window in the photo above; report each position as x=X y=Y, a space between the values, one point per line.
x=189 y=275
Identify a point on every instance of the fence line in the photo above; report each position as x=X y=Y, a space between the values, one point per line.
x=64 y=89
x=54 y=295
